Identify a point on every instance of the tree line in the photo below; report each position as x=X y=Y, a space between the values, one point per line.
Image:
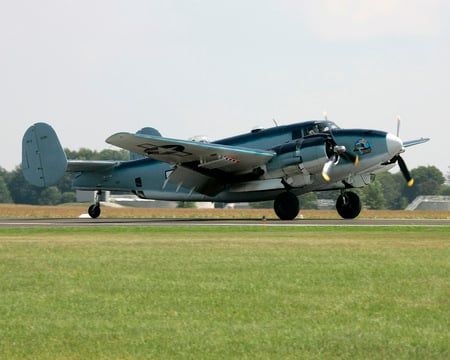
x=389 y=191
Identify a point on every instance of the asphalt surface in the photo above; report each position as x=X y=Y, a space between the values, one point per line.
x=82 y=222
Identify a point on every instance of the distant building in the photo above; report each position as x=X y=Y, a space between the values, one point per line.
x=430 y=203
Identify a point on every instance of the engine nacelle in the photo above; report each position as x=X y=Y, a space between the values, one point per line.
x=301 y=157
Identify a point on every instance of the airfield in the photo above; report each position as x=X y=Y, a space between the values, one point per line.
x=75 y=216
x=77 y=222
x=193 y=283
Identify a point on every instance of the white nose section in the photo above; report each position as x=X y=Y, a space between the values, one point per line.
x=394 y=145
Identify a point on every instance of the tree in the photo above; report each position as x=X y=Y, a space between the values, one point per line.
x=118 y=155
x=391 y=186
x=5 y=196
x=21 y=191
x=50 y=196
x=445 y=190
x=373 y=197
x=106 y=154
x=427 y=181
x=68 y=197
x=308 y=201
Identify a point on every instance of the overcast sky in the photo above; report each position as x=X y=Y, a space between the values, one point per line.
x=218 y=68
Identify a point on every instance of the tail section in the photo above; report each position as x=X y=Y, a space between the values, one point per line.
x=43 y=159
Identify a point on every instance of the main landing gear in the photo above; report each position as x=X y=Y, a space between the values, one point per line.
x=94 y=210
x=287 y=207
x=348 y=205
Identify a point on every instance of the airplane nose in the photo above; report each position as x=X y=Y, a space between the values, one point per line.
x=394 y=144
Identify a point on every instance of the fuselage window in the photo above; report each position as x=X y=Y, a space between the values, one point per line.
x=297 y=134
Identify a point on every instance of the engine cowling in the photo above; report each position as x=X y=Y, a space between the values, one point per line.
x=305 y=156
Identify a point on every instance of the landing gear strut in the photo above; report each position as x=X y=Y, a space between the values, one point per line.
x=348 y=205
x=94 y=210
x=286 y=206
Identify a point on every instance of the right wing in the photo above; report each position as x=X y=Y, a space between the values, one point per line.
x=195 y=155
x=202 y=167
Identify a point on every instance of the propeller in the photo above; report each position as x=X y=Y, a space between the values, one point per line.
x=332 y=162
x=333 y=159
x=401 y=163
x=404 y=169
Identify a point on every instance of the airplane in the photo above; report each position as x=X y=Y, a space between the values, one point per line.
x=278 y=163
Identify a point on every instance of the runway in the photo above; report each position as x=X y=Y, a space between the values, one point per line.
x=82 y=222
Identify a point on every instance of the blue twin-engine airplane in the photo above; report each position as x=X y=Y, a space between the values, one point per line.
x=277 y=163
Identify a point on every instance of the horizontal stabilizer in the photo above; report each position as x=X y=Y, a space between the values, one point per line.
x=90 y=165
x=43 y=159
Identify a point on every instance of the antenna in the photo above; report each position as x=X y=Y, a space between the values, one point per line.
x=398 y=125
x=325 y=115
x=275 y=122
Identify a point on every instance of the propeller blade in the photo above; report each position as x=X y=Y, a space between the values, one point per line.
x=405 y=171
x=351 y=157
x=342 y=151
x=338 y=150
x=328 y=167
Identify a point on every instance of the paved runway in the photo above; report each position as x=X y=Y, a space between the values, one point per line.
x=81 y=222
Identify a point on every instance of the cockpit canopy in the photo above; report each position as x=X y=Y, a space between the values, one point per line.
x=313 y=128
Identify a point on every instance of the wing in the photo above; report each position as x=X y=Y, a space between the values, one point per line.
x=195 y=155
x=202 y=167
x=415 y=142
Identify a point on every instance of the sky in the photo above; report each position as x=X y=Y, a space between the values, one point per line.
x=92 y=68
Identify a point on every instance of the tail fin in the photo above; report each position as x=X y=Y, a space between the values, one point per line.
x=144 y=131
x=43 y=159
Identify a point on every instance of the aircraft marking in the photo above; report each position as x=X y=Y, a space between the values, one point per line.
x=177 y=150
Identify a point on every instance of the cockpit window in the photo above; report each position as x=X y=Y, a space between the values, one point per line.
x=311 y=130
x=297 y=134
x=318 y=127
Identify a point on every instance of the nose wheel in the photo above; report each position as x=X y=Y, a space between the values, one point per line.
x=348 y=205
x=94 y=210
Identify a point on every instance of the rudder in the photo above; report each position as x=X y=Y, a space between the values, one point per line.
x=43 y=159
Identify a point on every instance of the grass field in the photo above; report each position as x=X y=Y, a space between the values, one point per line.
x=209 y=292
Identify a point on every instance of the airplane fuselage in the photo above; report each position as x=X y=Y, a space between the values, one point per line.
x=301 y=151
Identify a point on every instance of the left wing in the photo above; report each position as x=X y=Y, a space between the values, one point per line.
x=194 y=155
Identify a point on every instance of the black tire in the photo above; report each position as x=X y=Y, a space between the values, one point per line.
x=94 y=211
x=286 y=206
x=348 y=205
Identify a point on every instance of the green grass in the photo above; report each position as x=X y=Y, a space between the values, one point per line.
x=218 y=292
